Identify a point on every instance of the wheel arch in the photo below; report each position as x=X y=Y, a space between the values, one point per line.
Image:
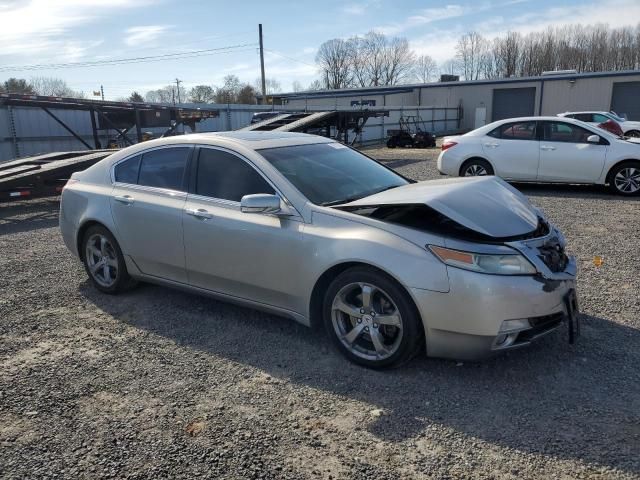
x=607 y=178
x=475 y=157
x=86 y=225
x=325 y=279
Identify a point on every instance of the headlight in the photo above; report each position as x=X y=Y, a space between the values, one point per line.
x=509 y=264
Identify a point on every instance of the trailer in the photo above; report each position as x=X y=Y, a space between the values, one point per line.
x=43 y=175
x=343 y=125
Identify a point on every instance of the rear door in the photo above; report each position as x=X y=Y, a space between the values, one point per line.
x=147 y=202
x=566 y=156
x=513 y=150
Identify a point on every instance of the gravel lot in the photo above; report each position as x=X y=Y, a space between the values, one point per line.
x=158 y=383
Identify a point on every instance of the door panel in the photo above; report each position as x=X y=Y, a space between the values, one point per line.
x=247 y=255
x=149 y=229
x=566 y=156
x=514 y=151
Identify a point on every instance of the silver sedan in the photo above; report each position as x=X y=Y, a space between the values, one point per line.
x=305 y=227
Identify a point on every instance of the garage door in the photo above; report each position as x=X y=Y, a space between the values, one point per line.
x=513 y=102
x=625 y=99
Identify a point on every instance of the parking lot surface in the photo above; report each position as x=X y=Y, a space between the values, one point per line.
x=158 y=383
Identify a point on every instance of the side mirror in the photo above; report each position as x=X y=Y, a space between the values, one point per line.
x=593 y=139
x=260 y=203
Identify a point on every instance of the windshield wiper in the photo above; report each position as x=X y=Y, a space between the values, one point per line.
x=356 y=197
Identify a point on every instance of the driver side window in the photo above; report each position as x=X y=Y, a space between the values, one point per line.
x=228 y=177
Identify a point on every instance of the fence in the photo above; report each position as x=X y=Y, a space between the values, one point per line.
x=30 y=131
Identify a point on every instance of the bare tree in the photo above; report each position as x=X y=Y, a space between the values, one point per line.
x=450 y=67
x=270 y=84
x=470 y=52
x=167 y=94
x=426 y=69
x=399 y=62
x=202 y=94
x=296 y=86
x=334 y=61
x=55 y=87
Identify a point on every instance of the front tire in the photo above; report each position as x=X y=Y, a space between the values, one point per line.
x=476 y=167
x=624 y=178
x=104 y=262
x=391 y=143
x=371 y=319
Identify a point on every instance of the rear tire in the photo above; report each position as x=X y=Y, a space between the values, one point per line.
x=633 y=133
x=391 y=143
x=624 y=178
x=104 y=262
x=476 y=167
x=371 y=319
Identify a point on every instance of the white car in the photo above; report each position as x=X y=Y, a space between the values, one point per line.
x=629 y=128
x=545 y=149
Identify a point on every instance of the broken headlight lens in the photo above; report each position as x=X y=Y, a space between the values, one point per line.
x=510 y=264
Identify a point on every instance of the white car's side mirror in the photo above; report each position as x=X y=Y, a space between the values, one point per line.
x=593 y=139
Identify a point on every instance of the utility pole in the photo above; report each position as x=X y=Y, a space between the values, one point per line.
x=264 y=88
x=102 y=92
x=178 y=82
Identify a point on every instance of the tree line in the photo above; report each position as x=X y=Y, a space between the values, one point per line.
x=48 y=86
x=376 y=60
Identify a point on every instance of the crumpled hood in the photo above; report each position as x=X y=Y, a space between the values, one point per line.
x=487 y=205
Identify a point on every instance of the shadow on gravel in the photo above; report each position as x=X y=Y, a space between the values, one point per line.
x=28 y=216
x=569 y=402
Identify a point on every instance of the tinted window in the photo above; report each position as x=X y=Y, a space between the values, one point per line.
x=599 y=118
x=583 y=117
x=565 y=132
x=518 y=131
x=164 y=168
x=331 y=173
x=223 y=175
x=127 y=171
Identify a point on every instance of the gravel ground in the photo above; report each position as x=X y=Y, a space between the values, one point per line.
x=158 y=383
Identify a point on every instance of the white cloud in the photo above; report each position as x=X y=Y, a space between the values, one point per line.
x=355 y=9
x=144 y=34
x=40 y=29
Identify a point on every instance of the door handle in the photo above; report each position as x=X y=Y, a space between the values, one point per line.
x=126 y=199
x=547 y=147
x=199 y=213
x=492 y=145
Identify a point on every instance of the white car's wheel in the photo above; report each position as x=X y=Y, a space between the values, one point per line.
x=633 y=133
x=476 y=167
x=624 y=178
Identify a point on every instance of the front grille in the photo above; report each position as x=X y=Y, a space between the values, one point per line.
x=553 y=255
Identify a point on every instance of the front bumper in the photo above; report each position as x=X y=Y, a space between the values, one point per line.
x=466 y=322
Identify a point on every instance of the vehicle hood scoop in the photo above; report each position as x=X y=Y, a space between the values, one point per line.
x=487 y=205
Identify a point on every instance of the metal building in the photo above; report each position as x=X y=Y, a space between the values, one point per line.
x=483 y=101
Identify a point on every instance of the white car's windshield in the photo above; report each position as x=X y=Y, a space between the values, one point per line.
x=331 y=173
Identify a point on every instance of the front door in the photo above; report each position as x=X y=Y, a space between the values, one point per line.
x=566 y=156
x=246 y=255
x=147 y=204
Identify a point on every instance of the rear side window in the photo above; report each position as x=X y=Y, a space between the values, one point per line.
x=164 y=168
x=599 y=118
x=583 y=117
x=127 y=171
x=515 y=131
x=228 y=177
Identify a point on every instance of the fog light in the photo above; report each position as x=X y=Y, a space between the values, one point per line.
x=505 y=340
x=500 y=339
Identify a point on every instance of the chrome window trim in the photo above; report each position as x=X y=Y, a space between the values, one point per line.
x=112 y=171
x=163 y=191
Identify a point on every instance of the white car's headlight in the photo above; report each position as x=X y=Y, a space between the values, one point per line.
x=509 y=264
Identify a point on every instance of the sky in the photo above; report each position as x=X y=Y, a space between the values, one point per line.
x=63 y=32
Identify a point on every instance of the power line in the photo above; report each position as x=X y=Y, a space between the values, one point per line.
x=289 y=58
x=124 y=61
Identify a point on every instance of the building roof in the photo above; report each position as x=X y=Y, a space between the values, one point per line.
x=384 y=90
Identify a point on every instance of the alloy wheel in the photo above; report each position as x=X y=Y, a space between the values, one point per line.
x=627 y=180
x=475 y=170
x=367 y=321
x=102 y=260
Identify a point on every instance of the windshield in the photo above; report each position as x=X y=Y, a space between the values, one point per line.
x=615 y=117
x=331 y=173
